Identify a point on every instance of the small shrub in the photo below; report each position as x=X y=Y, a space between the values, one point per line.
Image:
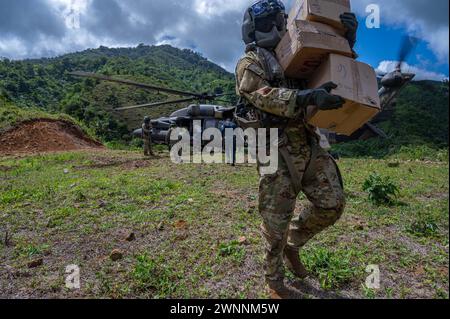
x=232 y=249
x=333 y=268
x=151 y=274
x=30 y=250
x=382 y=191
x=227 y=249
x=424 y=227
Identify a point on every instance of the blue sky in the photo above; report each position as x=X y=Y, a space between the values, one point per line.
x=377 y=45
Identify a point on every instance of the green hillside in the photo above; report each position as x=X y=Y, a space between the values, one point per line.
x=421 y=114
x=420 y=117
x=44 y=83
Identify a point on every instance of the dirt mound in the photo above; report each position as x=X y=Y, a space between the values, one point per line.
x=44 y=135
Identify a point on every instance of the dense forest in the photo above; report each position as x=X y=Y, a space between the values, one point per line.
x=420 y=117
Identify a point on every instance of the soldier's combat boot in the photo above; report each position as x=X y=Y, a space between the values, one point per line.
x=294 y=264
x=277 y=290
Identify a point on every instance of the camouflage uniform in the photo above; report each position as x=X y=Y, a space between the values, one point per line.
x=315 y=172
x=147 y=137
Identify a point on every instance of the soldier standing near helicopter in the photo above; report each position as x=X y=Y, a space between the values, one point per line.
x=147 y=136
x=272 y=101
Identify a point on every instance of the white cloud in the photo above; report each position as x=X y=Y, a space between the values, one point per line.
x=212 y=8
x=421 y=74
x=14 y=46
x=439 y=43
x=427 y=20
x=212 y=27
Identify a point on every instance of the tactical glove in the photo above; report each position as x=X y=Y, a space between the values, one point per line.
x=320 y=97
x=350 y=23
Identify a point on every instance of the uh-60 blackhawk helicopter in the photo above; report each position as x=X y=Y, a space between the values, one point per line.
x=209 y=115
x=212 y=115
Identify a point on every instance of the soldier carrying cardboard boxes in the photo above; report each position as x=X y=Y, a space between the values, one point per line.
x=317 y=48
x=271 y=100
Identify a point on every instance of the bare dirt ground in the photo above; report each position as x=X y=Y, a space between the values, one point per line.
x=44 y=135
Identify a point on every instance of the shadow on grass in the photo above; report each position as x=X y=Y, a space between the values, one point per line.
x=307 y=288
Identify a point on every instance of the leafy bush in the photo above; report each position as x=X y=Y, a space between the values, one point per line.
x=381 y=190
x=423 y=227
x=333 y=268
x=150 y=274
x=232 y=249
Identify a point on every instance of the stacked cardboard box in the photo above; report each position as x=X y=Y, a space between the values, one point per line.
x=315 y=49
x=325 y=11
x=357 y=84
x=307 y=45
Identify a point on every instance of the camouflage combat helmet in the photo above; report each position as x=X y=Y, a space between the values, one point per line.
x=265 y=23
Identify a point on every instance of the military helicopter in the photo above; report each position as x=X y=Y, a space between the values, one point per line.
x=212 y=115
x=209 y=115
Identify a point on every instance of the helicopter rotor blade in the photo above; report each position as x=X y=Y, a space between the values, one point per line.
x=133 y=107
x=224 y=94
x=222 y=101
x=409 y=43
x=221 y=97
x=133 y=83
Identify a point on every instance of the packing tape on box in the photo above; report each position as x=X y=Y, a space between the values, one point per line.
x=357 y=85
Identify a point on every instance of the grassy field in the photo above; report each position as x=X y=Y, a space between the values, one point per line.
x=192 y=231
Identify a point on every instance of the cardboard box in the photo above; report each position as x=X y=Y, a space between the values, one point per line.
x=324 y=11
x=357 y=84
x=306 y=45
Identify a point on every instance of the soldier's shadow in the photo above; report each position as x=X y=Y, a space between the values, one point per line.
x=152 y=157
x=307 y=288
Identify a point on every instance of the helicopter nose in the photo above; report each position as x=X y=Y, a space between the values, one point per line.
x=392 y=79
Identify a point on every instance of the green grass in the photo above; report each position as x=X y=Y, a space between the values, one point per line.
x=232 y=249
x=394 y=148
x=30 y=250
x=423 y=227
x=152 y=275
x=75 y=208
x=332 y=268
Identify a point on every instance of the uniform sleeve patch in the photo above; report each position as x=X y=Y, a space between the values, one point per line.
x=264 y=91
x=257 y=70
x=285 y=94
